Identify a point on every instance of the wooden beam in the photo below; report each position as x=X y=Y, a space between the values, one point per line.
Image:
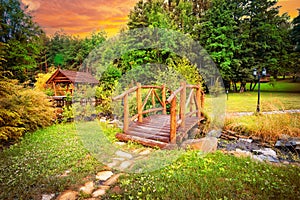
x=146 y=99
x=125 y=93
x=126 y=114
x=139 y=102
x=143 y=141
x=173 y=122
x=198 y=102
x=153 y=100
x=163 y=98
x=182 y=104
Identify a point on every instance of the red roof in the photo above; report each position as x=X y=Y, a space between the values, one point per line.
x=72 y=76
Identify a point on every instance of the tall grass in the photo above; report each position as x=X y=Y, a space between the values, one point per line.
x=267 y=127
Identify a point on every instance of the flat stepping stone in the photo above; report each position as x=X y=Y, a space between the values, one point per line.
x=124 y=154
x=104 y=175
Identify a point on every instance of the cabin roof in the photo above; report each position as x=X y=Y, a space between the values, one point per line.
x=60 y=76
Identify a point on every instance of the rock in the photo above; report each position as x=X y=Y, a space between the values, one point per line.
x=104 y=175
x=116 y=190
x=98 y=193
x=214 y=133
x=120 y=143
x=194 y=132
x=266 y=152
x=123 y=154
x=170 y=147
x=68 y=195
x=48 y=196
x=145 y=152
x=112 y=180
x=124 y=165
x=207 y=144
x=114 y=163
x=246 y=140
x=241 y=153
x=87 y=188
x=104 y=187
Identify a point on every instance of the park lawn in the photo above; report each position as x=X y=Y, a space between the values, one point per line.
x=212 y=176
x=247 y=101
x=279 y=86
x=36 y=164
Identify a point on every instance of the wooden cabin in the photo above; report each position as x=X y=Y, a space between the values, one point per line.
x=63 y=81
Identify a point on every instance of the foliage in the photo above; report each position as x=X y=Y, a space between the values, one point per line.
x=22 y=38
x=21 y=110
x=295 y=34
x=41 y=80
x=38 y=164
x=214 y=176
x=69 y=52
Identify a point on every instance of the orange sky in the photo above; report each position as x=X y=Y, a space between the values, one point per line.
x=81 y=17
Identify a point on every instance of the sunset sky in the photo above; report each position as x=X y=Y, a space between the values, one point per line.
x=81 y=17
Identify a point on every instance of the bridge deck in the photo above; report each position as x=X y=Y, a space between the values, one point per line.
x=155 y=130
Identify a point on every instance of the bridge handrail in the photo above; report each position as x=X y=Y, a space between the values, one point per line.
x=196 y=95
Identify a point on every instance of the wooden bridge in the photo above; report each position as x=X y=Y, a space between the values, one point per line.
x=159 y=130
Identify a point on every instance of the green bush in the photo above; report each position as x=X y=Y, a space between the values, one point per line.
x=21 y=110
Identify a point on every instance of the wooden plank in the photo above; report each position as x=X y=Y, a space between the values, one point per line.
x=143 y=141
x=173 y=122
x=125 y=93
x=163 y=99
x=149 y=132
x=126 y=113
x=198 y=102
x=139 y=102
x=173 y=95
x=151 y=87
x=182 y=104
x=148 y=136
x=153 y=100
x=146 y=99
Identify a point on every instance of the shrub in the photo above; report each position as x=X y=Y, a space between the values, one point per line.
x=21 y=110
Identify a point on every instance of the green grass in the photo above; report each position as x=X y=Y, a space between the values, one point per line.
x=215 y=176
x=279 y=86
x=247 y=101
x=35 y=165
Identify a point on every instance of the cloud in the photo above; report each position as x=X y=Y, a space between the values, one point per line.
x=32 y=4
x=289 y=6
x=75 y=16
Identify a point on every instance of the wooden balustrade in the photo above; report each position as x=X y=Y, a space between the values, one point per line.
x=194 y=102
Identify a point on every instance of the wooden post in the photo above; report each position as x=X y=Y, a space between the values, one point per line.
x=126 y=114
x=173 y=122
x=139 y=102
x=202 y=99
x=53 y=83
x=153 y=100
x=182 y=104
x=198 y=101
x=163 y=98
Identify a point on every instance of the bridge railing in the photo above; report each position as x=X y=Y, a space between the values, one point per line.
x=195 y=103
x=142 y=103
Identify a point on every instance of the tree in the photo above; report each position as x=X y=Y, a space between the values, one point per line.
x=295 y=34
x=22 y=37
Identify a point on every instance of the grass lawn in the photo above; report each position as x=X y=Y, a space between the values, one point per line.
x=284 y=96
x=214 y=176
x=36 y=166
x=247 y=101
